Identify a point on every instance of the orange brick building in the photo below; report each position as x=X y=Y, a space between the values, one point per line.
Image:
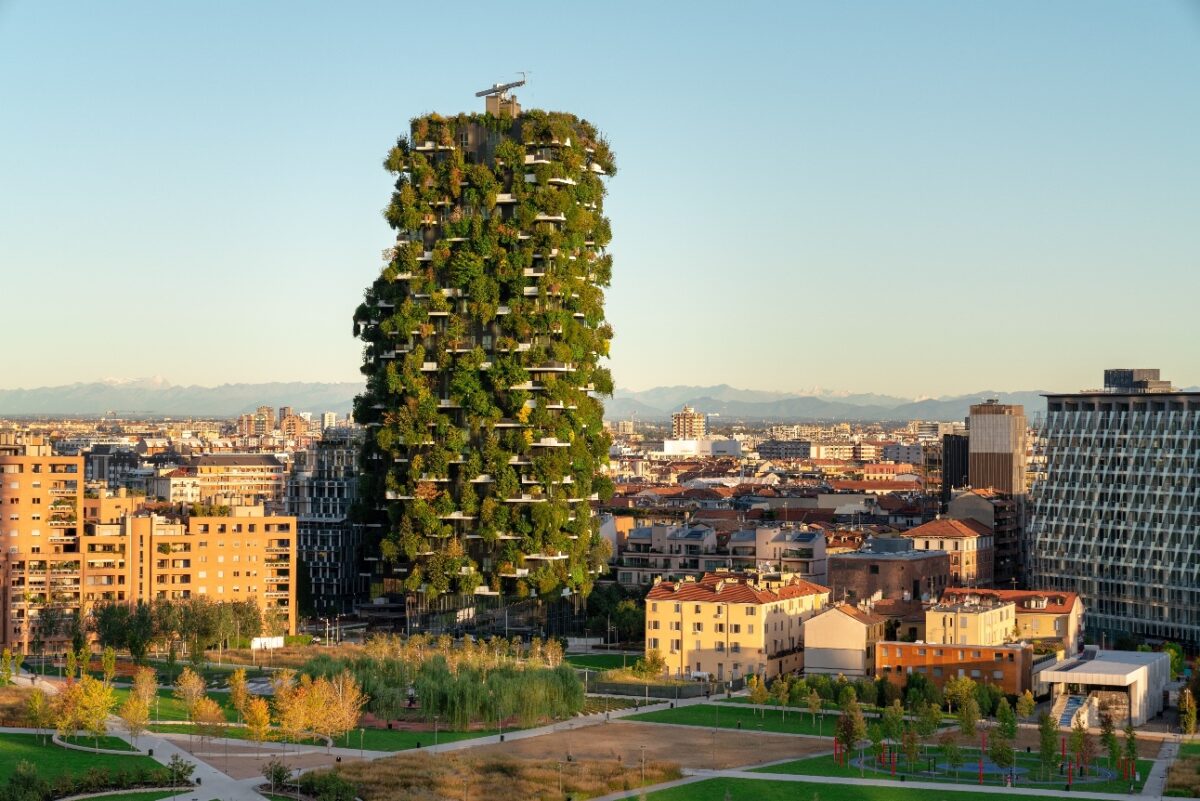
x=1010 y=667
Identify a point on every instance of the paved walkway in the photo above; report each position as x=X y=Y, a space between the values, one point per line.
x=1156 y=782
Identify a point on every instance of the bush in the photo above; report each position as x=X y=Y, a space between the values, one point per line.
x=297 y=639
x=327 y=787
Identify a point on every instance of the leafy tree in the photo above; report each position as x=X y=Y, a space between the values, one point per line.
x=1000 y=749
x=238 y=694
x=797 y=692
x=1187 y=711
x=814 y=707
x=1047 y=741
x=110 y=621
x=96 y=703
x=1006 y=720
x=1108 y=736
x=208 y=717
x=968 y=716
x=851 y=725
x=951 y=754
x=189 y=688
x=6 y=669
x=347 y=703
x=66 y=708
x=258 y=719
x=892 y=721
x=957 y=690
x=39 y=711
x=145 y=685
x=276 y=772
x=758 y=691
x=1176 y=653
x=846 y=695
x=108 y=661
x=875 y=735
x=1131 y=748
x=1026 y=705
x=911 y=743
x=779 y=689
x=135 y=714
x=179 y=771
x=140 y=631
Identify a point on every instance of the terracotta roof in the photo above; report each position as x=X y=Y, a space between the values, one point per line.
x=854 y=613
x=1056 y=602
x=912 y=609
x=876 y=486
x=949 y=529
x=726 y=588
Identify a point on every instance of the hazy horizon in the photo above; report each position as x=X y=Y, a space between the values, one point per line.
x=919 y=199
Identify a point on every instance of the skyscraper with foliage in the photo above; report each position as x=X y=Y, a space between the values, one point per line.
x=483 y=335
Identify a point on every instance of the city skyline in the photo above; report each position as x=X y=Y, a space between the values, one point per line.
x=983 y=181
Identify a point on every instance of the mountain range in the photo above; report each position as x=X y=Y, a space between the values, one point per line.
x=158 y=397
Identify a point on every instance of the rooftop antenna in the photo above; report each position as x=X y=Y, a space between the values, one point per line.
x=501 y=89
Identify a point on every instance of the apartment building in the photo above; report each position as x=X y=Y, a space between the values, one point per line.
x=239 y=479
x=1009 y=667
x=888 y=567
x=1117 y=517
x=997 y=447
x=970 y=621
x=726 y=626
x=1049 y=617
x=247 y=555
x=968 y=543
x=109 y=506
x=689 y=424
x=784 y=449
x=41 y=503
x=1002 y=514
x=841 y=641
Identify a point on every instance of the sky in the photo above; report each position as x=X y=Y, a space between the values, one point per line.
x=919 y=198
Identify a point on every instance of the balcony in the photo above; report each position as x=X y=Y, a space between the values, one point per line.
x=284 y=549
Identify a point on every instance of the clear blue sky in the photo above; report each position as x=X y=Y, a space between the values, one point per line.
x=917 y=198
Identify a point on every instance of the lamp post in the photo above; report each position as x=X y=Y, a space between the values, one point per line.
x=643 y=765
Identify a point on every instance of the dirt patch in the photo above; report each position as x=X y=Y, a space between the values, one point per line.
x=688 y=746
x=244 y=762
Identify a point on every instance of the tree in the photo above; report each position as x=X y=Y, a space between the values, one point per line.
x=1078 y=738
x=189 y=688
x=951 y=754
x=779 y=689
x=758 y=691
x=1047 y=740
x=145 y=685
x=814 y=706
x=892 y=721
x=6 y=671
x=957 y=690
x=1131 y=748
x=24 y=784
x=797 y=692
x=875 y=735
x=108 y=662
x=968 y=716
x=1000 y=749
x=1006 y=720
x=96 y=702
x=1108 y=736
x=66 y=708
x=1026 y=705
x=1187 y=711
x=39 y=711
x=846 y=695
x=348 y=701
x=276 y=772
x=179 y=771
x=851 y=720
x=1176 y=653
x=911 y=744
x=140 y=631
x=290 y=708
x=135 y=714
x=258 y=720
x=209 y=718
x=110 y=621
x=238 y=694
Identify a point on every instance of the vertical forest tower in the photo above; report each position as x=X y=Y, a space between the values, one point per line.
x=483 y=334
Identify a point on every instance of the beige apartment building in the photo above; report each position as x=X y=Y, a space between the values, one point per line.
x=49 y=557
x=1055 y=618
x=969 y=544
x=841 y=641
x=688 y=424
x=239 y=479
x=971 y=622
x=727 y=626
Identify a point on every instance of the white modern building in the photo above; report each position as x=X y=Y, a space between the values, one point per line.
x=1131 y=683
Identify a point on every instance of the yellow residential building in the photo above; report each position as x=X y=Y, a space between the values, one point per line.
x=979 y=622
x=727 y=625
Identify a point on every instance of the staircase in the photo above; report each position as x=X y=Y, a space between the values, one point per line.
x=1073 y=705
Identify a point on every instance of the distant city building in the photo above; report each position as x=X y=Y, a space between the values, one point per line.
x=956 y=456
x=1117 y=517
x=321 y=489
x=785 y=449
x=997 y=447
x=1002 y=515
x=912 y=453
x=688 y=424
x=328 y=420
x=239 y=479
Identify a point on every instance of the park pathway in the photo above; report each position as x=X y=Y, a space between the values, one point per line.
x=1156 y=782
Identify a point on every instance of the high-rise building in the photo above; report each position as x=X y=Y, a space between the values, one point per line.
x=40 y=561
x=484 y=334
x=328 y=420
x=997 y=447
x=688 y=424
x=1117 y=517
x=321 y=489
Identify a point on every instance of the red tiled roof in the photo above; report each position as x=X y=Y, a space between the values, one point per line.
x=950 y=529
x=890 y=486
x=1057 y=603
x=725 y=588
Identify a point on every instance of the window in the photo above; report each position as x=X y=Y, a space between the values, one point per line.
x=654 y=625
x=677 y=608
x=653 y=607
x=720 y=628
x=697 y=628
x=735 y=628
x=997 y=674
x=750 y=628
x=653 y=643
x=735 y=647
x=874 y=570
x=975 y=674
x=749 y=611
x=720 y=646
x=675 y=646
x=937 y=671
x=696 y=609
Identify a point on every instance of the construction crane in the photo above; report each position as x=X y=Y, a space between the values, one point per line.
x=501 y=89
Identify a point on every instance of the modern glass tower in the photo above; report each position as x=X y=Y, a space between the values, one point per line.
x=483 y=336
x=1117 y=517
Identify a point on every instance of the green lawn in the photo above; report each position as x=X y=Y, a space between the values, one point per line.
x=227 y=732
x=728 y=717
x=825 y=766
x=139 y=795
x=753 y=790
x=1191 y=749
x=51 y=760
x=109 y=742
x=600 y=661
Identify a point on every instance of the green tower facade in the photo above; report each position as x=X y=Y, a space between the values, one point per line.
x=483 y=335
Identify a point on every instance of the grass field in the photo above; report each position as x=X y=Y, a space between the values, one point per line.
x=729 y=717
x=1190 y=749
x=109 y=742
x=52 y=760
x=825 y=766
x=600 y=661
x=168 y=707
x=751 y=790
x=371 y=739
